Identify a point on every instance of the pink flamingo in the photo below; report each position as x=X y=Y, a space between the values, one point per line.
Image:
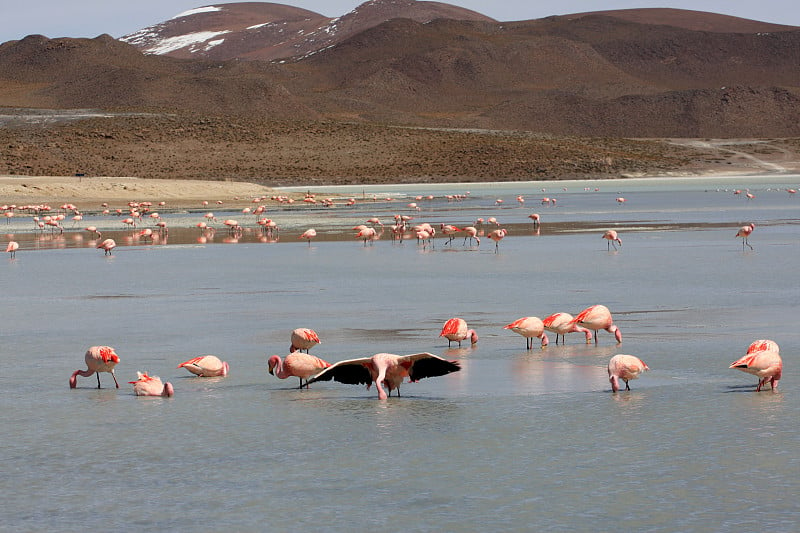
x=497 y=236
x=766 y=365
x=309 y=234
x=98 y=359
x=471 y=233
x=298 y=364
x=206 y=366
x=303 y=339
x=151 y=386
x=450 y=231
x=612 y=237
x=456 y=329
x=744 y=232
x=12 y=248
x=535 y=218
x=624 y=367
x=598 y=317
x=530 y=327
x=368 y=234
x=107 y=245
x=387 y=369
x=563 y=323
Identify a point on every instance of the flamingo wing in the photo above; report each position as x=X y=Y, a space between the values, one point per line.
x=583 y=314
x=450 y=327
x=427 y=365
x=350 y=372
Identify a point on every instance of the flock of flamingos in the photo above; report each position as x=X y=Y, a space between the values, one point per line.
x=390 y=370
x=762 y=358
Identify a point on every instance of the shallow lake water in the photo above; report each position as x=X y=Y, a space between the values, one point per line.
x=517 y=440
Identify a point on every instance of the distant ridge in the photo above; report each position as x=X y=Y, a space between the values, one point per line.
x=631 y=73
x=261 y=30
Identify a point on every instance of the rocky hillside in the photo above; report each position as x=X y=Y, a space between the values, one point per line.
x=635 y=73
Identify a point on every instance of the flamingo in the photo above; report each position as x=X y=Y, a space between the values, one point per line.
x=206 y=366
x=309 y=234
x=12 y=248
x=471 y=233
x=624 y=367
x=530 y=327
x=450 y=231
x=388 y=369
x=303 y=339
x=98 y=359
x=456 y=329
x=765 y=364
x=563 y=323
x=535 y=218
x=744 y=232
x=93 y=229
x=598 y=317
x=151 y=386
x=298 y=364
x=497 y=236
x=368 y=234
x=107 y=245
x=612 y=237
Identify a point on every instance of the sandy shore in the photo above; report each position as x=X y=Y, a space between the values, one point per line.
x=93 y=191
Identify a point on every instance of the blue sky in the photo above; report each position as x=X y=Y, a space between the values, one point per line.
x=90 y=18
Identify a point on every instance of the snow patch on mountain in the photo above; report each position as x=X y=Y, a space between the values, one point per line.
x=170 y=44
x=206 y=9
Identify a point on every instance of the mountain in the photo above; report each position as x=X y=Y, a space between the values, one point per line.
x=632 y=73
x=266 y=31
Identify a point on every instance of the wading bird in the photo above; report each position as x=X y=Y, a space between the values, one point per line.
x=98 y=359
x=387 y=369
x=624 y=367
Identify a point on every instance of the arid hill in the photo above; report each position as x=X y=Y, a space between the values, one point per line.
x=649 y=73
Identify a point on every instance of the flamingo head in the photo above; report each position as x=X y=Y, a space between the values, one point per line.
x=473 y=337
x=272 y=362
x=225 y=368
x=169 y=391
x=614 y=380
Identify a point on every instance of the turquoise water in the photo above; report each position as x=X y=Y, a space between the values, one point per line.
x=517 y=440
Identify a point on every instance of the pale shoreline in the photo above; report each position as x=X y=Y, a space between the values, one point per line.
x=91 y=192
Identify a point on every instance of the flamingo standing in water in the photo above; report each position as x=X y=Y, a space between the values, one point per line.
x=744 y=232
x=598 y=317
x=563 y=323
x=456 y=329
x=497 y=236
x=298 y=364
x=303 y=339
x=107 y=245
x=624 y=367
x=12 y=248
x=471 y=233
x=612 y=237
x=206 y=366
x=98 y=359
x=151 y=386
x=535 y=218
x=530 y=327
x=387 y=369
x=308 y=235
x=763 y=360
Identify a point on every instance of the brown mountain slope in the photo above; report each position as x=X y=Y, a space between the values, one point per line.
x=588 y=75
x=267 y=31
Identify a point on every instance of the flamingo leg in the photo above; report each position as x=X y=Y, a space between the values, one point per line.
x=627 y=387
x=98 y=379
x=113 y=376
